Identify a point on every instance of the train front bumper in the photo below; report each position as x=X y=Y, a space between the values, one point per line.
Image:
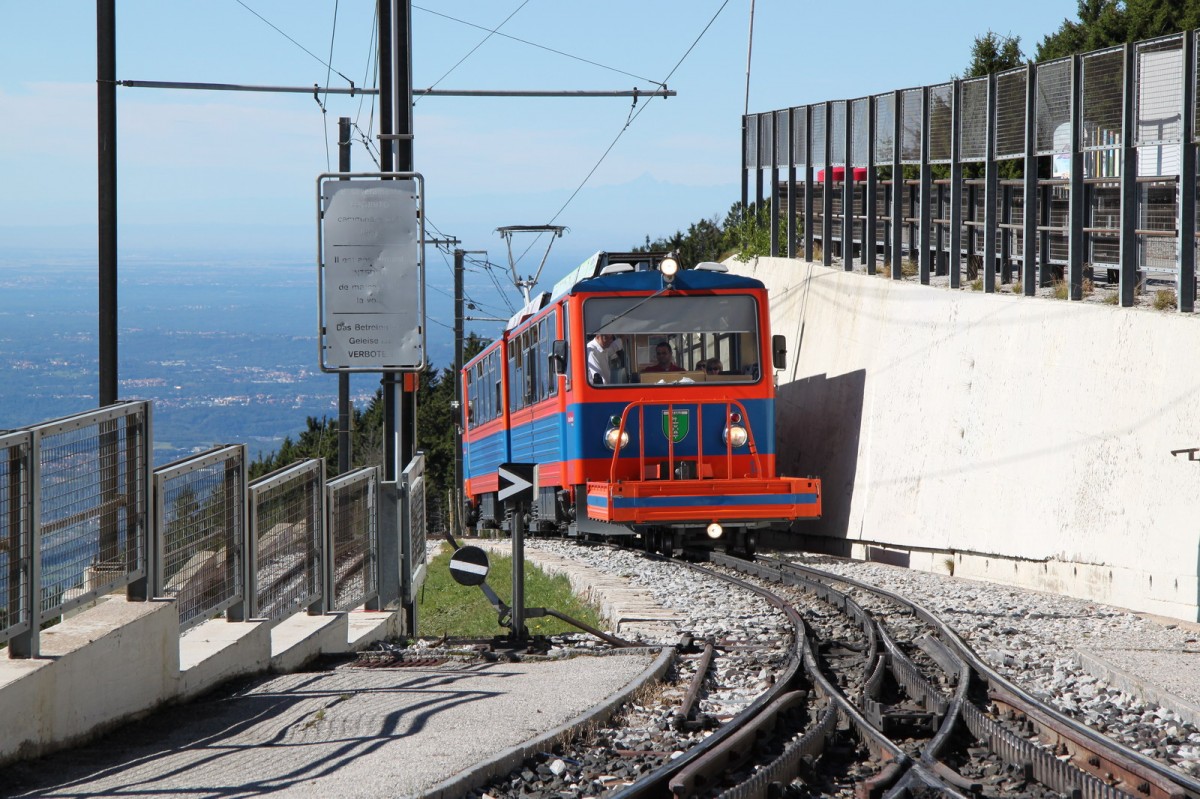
x=728 y=501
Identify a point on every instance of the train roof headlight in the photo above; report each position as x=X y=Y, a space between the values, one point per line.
x=669 y=267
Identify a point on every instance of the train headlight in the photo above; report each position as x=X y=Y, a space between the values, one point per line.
x=614 y=437
x=714 y=531
x=669 y=267
x=736 y=435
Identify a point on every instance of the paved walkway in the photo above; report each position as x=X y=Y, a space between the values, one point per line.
x=351 y=732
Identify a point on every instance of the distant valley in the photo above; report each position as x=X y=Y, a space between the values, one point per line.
x=227 y=351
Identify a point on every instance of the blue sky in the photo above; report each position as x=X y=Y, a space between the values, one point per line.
x=204 y=171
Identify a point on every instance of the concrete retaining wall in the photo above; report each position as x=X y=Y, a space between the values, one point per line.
x=1019 y=440
x=119 y=660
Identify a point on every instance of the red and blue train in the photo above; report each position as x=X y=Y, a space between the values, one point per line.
x=645 y=395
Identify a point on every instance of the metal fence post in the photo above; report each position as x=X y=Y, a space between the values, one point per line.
x=827 y=192
x=808 y=184
x=774 y=117
x=956 y=215
x=848 y=193
x=897 y=184
x=791 y=182
x=29 y=644
x=1029 y=193
x=389 y=546
x=990 y=184
x=870 y=201
x=1078 y=202
x=924 y=221
x=1127 y=245
x=1185 y=185
x=745 y=159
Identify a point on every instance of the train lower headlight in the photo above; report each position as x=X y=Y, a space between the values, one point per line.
x=736 y=435
x=714 y=530
x=616 y=438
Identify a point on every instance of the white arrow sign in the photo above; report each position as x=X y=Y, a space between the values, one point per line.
x=516 y=481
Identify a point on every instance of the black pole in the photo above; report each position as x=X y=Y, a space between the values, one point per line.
x=345 y=451
x=387 y=164
x=106 y=168
x=459 y=258
x=404 y=163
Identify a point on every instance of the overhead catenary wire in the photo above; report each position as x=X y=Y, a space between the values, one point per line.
x=538 y=46
x=278 y=30
x=629 y=121
x=328 y=73
x=471 y=52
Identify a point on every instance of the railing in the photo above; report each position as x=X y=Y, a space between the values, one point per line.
x=16 y=534
x=200 y=515
x=351 y=502
x=1104 y=144
x=287 y=526
x=81 y=515
x=729 y=405
x=415 y=532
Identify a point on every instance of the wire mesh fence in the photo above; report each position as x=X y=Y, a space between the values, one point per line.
x=1010 y=113
x=973 y=129
x=910 y=126
x=885 y=116
x=818 y=135
x=782 y=137
x=287 y=519
x=16 y=534
x=416 y=533
x=353 y=538
x=766 y=137
x=1052 y=111
x=941 y=122
x=1106 y=127
x=81 y=514
x=860 y=131
x=91 y=514
x=200 y=514
x=800 y=135
x=750 y=143
x=837 y=133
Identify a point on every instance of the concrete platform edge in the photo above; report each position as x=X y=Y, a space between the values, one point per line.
x=1134 y=685
x=506 y=761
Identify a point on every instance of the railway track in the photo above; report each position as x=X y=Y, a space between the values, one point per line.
x=877 y=697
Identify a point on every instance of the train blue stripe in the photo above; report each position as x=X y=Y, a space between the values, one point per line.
x=737 y=500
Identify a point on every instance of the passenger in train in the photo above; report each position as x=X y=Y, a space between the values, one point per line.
x=713 y=366
x=664 y=359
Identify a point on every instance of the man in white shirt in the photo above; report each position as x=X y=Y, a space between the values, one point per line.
x=601 y=351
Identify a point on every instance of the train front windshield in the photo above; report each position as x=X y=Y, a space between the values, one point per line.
x=672 y=339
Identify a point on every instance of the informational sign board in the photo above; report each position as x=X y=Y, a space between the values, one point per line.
x=516 y=482
x=372 y=284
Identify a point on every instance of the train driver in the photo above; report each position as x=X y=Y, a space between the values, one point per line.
x=664 y=359
x=602 y=356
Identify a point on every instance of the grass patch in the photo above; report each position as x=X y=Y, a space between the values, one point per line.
x=1112 y=299
x=1061 y=289
x=977 y=284
x=1164 y=299
x=1016 y=287
x=446 y=608
x=909 y=268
